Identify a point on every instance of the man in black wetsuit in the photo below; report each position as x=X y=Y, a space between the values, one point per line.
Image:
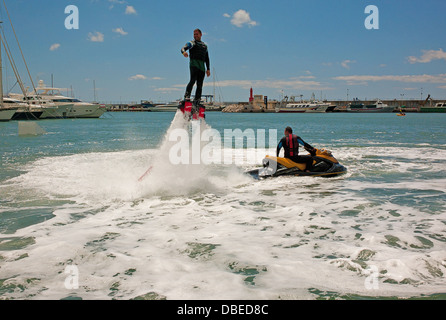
x=199 y=65
x=290 y=144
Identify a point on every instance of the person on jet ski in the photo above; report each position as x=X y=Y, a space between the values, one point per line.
x=290 y=143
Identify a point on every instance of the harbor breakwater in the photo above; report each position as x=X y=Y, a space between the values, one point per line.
x=270 y=107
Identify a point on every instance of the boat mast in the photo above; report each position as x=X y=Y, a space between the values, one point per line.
x=94 y=89
x=20 y=48
x=213 y=76
x=1 y=69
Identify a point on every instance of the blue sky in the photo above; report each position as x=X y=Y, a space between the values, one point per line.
x=131 y=48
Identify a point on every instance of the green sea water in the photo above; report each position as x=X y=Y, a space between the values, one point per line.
x=71 y=197
x=134 y=131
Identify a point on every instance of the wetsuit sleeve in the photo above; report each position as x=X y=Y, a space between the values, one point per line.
x=207 y=61
x=188 y=46
x=305 y=145
x=279 y=147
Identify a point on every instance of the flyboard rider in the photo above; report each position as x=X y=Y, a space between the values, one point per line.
x=199 y=66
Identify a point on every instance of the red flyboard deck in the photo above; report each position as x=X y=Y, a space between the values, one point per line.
x=188 y=106
x=201 y=113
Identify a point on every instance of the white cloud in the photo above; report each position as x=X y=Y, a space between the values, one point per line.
x=425 y=78
x=346 y=63
x=96 y=37
x=428 y=56
x=55 y=46
x=138 y=77
x=120 y=31
x=167 y=90
x=130 y=10
x=307 y=77
x=116 y=2
x=157 y=78
x=274 y=84
x=292 y=84
x=241 y=18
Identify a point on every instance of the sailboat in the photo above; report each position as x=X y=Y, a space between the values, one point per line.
x=211 y=101
x=26 y=110
x=6 y=113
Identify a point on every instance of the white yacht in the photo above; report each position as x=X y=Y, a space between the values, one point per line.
x=291 y=105
x=27 y=111
x=66 y=107
x=170 y=107
x=309 y=107
x=49 y=109
x=21 y=109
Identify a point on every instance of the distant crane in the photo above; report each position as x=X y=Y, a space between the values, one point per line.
x=424 y=102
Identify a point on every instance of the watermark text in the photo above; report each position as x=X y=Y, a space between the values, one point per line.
x=372 y=21
x=72 y=21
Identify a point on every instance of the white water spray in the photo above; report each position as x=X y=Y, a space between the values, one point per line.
x=177 y=167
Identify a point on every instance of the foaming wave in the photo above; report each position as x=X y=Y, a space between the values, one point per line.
x=285 y=237
x=127 y=175
x=208 y=231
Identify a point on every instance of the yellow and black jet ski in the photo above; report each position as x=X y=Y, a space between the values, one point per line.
x=324 y=165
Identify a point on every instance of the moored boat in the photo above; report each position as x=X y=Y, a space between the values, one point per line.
x=7 y=113
x=63 y=106
x=171 y=107
x=378 y=106
x=292 y=106
x=26 y=111
x=310 y=107
x=439 y=107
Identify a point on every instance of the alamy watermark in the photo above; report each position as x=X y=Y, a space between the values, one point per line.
x=372 y=21
x=72 y=280
x=371 y=282
x=72 y=20
x=209 y=147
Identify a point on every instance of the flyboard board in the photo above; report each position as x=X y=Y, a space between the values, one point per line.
x=194 y=110
x=191 y=111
